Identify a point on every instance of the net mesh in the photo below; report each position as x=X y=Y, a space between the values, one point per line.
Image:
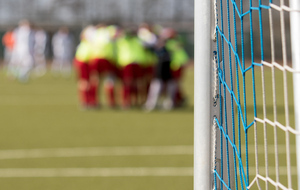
x=254 y=126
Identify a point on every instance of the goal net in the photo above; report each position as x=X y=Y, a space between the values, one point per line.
x=247 y=89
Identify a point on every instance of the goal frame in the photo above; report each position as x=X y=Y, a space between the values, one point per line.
x=202 y=98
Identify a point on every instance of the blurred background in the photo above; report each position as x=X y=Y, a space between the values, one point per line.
x=76 y=14
x=48 y=141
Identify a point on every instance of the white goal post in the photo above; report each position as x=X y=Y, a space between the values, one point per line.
x=202 y=119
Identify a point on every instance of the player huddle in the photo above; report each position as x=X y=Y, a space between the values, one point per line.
x=147 y=60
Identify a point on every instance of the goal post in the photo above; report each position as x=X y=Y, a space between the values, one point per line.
x=202 y=120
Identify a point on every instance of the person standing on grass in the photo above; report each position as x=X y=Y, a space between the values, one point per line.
x=102 y=65
x=22 y=60
x=63 y=48
x=179 y=58
x=130 y=56
x=40 y=41
x=162 y=79
x=8 y=42
x=149 y=40
x=81 y=62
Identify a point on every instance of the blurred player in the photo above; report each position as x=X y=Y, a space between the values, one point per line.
x=130 y=55
x=63 y=47
x=102 y=65
x=179 y=58
x=162 y=79
x=149 y=40
x=40 y=41
x=8 y=42
x=81 y=63
x=22 y=62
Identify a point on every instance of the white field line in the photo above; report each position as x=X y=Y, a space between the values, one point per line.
x=119 y=151
x=118 y=172
x=272 y=170
x=271 y=149
x=95 y=172
x=96 y=151
x=110 y=172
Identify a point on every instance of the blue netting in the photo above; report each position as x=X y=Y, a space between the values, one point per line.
x=231 y=61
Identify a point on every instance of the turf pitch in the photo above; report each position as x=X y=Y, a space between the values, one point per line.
x=47 y=142
x=41 y=117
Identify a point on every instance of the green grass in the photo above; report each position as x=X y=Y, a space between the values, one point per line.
x=44 y=114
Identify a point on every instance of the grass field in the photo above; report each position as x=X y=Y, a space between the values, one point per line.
x=47 y=142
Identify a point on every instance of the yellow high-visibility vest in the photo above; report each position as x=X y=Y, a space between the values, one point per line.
x=102 y=45
x=83 y=51
x=178 y=55
x=130 y=50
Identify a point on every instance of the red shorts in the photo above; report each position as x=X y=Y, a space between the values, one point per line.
x=177 y=73
x=132 y=71
x=102 y=66
x=148 y=71
x=83 y=70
